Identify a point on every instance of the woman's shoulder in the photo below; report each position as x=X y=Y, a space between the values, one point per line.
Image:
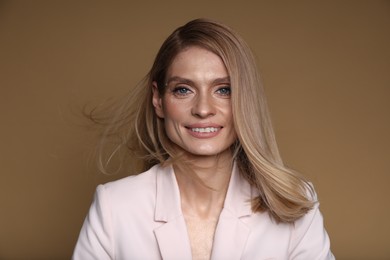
x=133 y=185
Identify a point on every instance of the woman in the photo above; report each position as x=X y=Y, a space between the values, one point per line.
x=215 y=186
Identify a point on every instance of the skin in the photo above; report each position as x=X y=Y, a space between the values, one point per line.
x=196 y=109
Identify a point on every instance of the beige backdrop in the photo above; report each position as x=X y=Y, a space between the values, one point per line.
x=326 y=71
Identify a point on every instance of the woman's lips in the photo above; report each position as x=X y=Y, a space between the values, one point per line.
x=204 y=131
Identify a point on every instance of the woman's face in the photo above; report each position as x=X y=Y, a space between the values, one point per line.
x=196 y=106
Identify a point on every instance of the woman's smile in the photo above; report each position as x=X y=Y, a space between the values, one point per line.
x=206 y=131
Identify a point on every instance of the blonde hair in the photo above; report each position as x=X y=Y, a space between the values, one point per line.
x=285 y=194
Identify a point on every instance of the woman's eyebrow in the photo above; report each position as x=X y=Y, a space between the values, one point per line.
x=190 y=82
x=222 y=80
x=179 y=79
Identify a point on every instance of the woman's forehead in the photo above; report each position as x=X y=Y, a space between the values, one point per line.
x=197 y=63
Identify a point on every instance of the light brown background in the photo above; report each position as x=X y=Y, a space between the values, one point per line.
x=326 y=72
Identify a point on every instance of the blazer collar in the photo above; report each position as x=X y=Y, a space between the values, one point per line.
x=239 y=195
x=168 y=204
x=231 y=232
x=172 y=236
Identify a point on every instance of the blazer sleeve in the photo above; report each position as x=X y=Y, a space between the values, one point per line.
x=95 y=240
x=310 y=239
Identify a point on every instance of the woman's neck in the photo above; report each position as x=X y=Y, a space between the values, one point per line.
x=203 y=185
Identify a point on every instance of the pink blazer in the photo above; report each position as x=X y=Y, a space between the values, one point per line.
x=140 y=217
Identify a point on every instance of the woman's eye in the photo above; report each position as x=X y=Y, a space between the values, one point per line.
x=181 y=91
x=224 y=91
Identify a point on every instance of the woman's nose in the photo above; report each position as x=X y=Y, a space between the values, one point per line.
x=203 y=106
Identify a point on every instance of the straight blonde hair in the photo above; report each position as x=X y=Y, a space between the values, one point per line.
x=284 y=193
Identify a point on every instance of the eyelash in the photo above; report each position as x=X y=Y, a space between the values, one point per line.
x=179 y=91
x=226 y=89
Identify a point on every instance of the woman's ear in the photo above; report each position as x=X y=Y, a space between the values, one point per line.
x=157 y=101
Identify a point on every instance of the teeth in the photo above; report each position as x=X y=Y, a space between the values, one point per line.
x=205 y=130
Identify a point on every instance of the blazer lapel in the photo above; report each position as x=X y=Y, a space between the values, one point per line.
x=172 y=236
x=173 y=241
x=232 y=233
